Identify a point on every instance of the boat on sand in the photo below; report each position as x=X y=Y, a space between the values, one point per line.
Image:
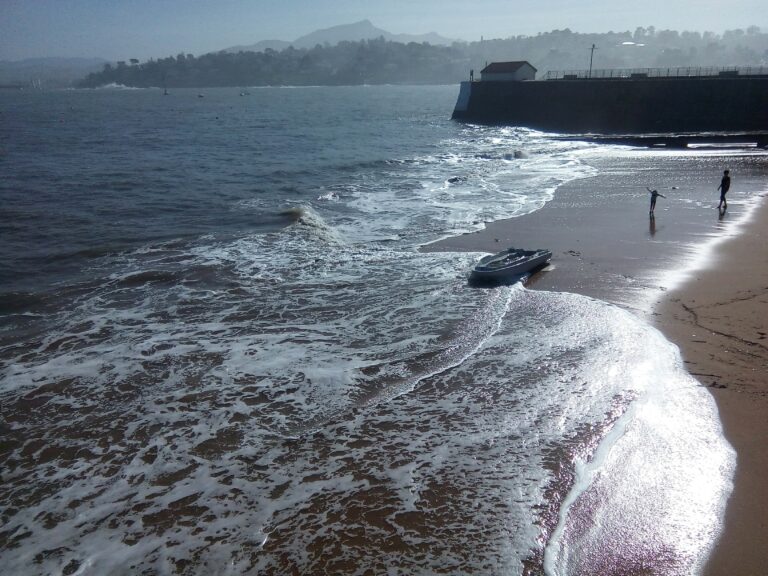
x=508 y=266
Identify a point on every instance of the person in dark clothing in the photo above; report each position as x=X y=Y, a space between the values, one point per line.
x=654 y=194
x=725 y=185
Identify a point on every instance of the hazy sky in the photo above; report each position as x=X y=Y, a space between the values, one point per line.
x=122 y=29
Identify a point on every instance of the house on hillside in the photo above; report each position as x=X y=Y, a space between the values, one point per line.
x=506 y=71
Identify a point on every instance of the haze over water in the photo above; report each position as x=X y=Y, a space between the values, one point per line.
x=222 y=351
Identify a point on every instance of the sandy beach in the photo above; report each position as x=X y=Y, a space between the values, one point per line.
x=714 y=307
x=718 y=319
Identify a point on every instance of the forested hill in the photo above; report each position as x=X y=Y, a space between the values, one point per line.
x=380 y=61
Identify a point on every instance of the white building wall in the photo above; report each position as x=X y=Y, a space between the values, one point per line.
x=524 y=73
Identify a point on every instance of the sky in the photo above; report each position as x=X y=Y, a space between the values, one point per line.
x=124 y=29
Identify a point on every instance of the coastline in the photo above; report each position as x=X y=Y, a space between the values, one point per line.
x=604 y=246
x=718 y=321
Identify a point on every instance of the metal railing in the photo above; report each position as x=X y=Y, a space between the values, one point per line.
x=683 y=72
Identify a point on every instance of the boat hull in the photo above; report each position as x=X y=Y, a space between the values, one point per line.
x=508 y=266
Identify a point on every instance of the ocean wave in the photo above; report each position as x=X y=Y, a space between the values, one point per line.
x=116 y=86
x=19 y=302
x=151 y=277
x=306 y=219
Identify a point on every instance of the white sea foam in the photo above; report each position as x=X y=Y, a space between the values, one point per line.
x=701 y=254
x=476 y=181
x=655 y=491
x=252 y=399
x=116 y=86
x=277 y=427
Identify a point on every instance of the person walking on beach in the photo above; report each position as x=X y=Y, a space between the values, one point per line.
x=725 y=185
x=654 y=194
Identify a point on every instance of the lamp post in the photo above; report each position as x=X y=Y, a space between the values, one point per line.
x=591 y=55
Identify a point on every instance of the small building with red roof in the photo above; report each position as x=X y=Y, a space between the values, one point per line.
x=506 y=71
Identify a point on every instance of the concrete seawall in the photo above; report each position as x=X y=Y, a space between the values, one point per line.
x=621 y=106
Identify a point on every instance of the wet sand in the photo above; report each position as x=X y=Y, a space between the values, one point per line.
x=605 y=245
x=720 y=321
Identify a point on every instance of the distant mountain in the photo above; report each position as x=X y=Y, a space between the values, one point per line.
x=363 y=30
x=47 y=72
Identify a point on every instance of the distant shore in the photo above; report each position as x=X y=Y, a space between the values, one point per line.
x=605 y=246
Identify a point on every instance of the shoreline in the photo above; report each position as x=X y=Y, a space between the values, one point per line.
x=717 y=319
x=605 y=247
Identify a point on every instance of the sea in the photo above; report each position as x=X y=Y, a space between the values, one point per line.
x=223 y=350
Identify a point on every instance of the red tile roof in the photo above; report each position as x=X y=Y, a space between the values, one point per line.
x=504 y=67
